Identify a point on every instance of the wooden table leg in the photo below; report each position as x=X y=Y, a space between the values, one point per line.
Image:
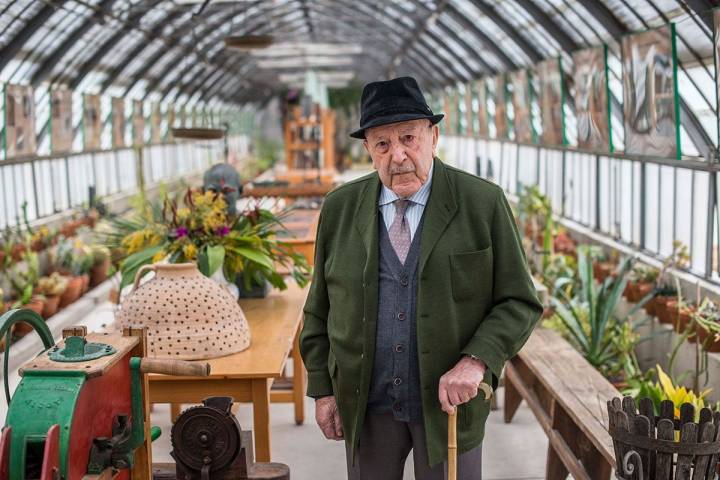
x=299 y=381
x=261 y=418
x=174 y=411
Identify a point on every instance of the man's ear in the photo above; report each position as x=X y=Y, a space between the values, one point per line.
x=436 y=136
x=365 y=146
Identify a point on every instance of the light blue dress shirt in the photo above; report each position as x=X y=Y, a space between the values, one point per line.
x=415 y=208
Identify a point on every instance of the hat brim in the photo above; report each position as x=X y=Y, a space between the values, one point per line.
x=395 y=118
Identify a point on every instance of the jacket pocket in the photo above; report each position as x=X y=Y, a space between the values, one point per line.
x=470 y=272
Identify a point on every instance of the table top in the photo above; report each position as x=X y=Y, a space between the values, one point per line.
x=273 y=321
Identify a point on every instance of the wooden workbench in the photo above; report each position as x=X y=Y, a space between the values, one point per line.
x=275 y=323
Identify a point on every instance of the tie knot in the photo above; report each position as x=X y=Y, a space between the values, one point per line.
x=401 y=205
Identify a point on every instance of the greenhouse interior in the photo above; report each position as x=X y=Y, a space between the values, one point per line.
x=373 y=240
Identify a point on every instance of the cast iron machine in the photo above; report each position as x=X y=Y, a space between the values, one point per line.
x=80 y=409
x=208 y=444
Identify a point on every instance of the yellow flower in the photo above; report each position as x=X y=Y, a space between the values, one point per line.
x=679 y=395
x=183 y=213
x=79 y=244
x=159 y=256
x=141 y=239
x=190 y=251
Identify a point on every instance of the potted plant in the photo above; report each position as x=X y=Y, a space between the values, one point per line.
x=680 y=312
x=72 y=262
x=100 y=264
x=603 y=264
x=41 y=239
x=23 y=276
x=664 y=289
x=640 y=282
x=199 y=229
x=563 y=242
x=52 y=288
x=707 y=318
x=606 y=341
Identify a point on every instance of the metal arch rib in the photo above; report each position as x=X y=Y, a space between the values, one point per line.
x=482 y=36
x=495 y=16
x=175 y=35
x=123 y=63
x=545 y=21
x=184 y=49
x=275 y=16
x=57 y=54
x=132 y=22
x=210 y=92
x=9 y=51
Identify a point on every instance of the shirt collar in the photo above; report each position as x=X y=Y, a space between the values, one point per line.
x=420 y=197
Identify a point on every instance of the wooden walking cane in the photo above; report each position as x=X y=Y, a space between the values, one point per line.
x=452 y=434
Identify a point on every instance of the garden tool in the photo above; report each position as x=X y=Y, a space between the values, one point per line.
x=80 y=406
x=452 y=434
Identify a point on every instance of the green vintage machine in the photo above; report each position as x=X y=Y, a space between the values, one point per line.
x=81 y=407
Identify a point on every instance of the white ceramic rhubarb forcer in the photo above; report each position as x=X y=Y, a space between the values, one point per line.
x=188 y=316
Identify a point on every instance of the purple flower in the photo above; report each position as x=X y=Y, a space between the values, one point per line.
x=222 y=231
x=181 y=232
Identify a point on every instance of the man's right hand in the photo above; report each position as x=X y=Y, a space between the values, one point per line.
x=327 y=417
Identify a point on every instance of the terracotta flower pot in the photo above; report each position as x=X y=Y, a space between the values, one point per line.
x=188 y=316
x=602 y=270
x=660 y=308
x=17 y=251
x=52 y=304
x=36 y=305
x=72 y=292
x=85 y=283
x=548 y=312
x=708 y=340
x=684 y=319
x=99 y=273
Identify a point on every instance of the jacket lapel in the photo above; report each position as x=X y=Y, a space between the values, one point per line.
x=366 y=221
x=440 y=209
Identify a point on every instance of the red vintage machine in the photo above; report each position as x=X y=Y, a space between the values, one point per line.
x=81 y=410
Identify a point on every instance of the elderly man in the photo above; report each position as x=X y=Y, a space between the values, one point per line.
x=420 y=293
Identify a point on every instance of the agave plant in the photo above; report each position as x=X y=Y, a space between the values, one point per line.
x=589 y=316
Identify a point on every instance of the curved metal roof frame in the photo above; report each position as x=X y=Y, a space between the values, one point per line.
x=424 y=34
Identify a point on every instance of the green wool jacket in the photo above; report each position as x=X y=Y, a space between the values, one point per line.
x=475 y=296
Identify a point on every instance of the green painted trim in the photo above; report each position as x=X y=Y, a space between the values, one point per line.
x=531 y=97
x=50 y=109
x=676 y=93
x=41 y=401
x=4 y=128
x=563 y=99
x=716 y=33
x=611 y=146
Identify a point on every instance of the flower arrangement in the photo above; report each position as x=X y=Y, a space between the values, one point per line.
x=199 y=229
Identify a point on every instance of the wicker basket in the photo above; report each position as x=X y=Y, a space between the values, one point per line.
x=649 y=446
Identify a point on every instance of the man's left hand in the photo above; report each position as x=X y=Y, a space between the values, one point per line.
x=460 y=384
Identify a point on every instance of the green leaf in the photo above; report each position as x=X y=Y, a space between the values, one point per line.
x=132 y=264
x=253 y=255
x=215 y=258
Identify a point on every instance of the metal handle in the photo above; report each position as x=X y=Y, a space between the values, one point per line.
x=174 y=367
x=452 y=445
x=141 y=271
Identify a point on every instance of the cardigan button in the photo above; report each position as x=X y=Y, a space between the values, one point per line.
x=397 y=381
x=401 y=316
x=399 y=349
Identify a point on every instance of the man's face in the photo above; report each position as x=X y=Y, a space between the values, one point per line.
x=402 y=153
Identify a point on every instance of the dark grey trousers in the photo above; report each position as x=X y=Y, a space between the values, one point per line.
x=385 y=444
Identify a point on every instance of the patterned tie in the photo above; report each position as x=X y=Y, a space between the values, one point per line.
x=399 y=231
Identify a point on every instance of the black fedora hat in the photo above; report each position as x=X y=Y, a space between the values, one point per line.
x=392 y=101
